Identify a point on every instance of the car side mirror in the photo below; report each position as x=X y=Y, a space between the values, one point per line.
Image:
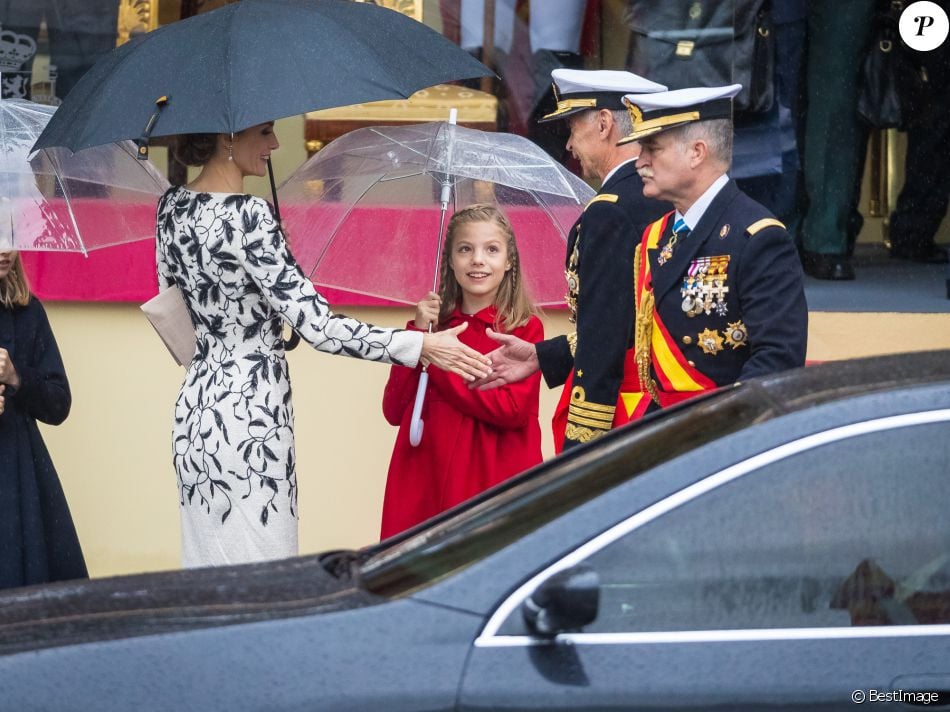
x=567 y=601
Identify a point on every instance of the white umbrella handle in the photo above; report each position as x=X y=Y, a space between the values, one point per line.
x=416 y=424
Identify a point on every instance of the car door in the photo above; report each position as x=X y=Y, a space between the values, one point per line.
x=810 y=576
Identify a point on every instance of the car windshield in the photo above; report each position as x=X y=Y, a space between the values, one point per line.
x=492 y=521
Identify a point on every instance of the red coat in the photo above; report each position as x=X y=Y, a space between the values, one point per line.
x=472 y=439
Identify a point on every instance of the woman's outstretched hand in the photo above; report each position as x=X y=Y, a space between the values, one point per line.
x=443 y=349
x=513 y=361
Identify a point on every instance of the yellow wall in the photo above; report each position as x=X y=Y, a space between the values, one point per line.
x=838 y=335
x=113 y=452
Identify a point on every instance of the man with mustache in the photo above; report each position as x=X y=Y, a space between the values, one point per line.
x=719 y=287
x=592 y=361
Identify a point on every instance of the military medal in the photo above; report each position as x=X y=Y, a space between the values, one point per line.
x=716 y=287
x=737 y=335
x=717 y=295
x=573 y=281
x=710 y=341
x=667 y=252
x=689 y=303
x=679 y=228
x=692 y=290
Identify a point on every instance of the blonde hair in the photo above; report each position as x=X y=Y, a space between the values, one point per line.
x=14 y=288
x=513 y=305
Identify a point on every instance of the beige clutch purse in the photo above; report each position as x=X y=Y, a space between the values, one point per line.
x=169 y=316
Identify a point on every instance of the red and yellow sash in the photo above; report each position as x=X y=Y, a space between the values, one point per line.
x=654 y=346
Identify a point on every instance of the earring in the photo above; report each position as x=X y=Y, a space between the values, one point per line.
x=231 y=148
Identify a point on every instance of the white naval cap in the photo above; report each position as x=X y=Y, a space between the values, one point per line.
x=581 y=89
x=653 y=112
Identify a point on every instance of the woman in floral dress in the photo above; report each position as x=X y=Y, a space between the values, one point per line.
x=233 y=434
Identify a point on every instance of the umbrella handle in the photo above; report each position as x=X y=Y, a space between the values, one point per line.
x=142 y=141
x=416 y=424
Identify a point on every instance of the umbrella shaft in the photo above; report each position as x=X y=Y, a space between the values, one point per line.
x=438 y=256
x=273 y=190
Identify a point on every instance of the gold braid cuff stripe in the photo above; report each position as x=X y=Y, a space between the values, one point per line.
x=599 y=424
x=601 y=421
x=577 y=401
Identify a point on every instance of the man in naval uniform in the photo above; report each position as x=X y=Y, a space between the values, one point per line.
x=590 y=362
x=719 y=285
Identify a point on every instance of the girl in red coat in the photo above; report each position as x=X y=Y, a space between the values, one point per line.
x=472 y=439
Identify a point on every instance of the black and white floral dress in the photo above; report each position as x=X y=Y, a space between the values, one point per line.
x=233 y=435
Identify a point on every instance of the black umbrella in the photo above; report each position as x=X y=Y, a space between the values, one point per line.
x=250 y=62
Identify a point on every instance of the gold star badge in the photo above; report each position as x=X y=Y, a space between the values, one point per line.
x=737 y=335
x=710 y=341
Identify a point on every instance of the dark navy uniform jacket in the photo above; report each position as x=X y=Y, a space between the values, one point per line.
x=605 y=236
x=761 y=325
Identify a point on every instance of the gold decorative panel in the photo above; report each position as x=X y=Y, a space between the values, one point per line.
x=412 y=8
x=476 y=109
x=136 y=17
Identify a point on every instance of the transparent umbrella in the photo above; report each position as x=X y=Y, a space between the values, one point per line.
x=367 y=214
x=65 y=201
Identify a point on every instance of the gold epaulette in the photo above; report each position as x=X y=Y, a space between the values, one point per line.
x=605 y=197
x=762 y=224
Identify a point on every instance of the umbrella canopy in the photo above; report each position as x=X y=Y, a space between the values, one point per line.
x=364 y=215
x=66 y=201
x=254 y=61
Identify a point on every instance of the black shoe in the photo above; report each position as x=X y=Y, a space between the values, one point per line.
x=822 y=266
x=928 y=254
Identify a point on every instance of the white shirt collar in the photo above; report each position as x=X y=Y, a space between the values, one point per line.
x=615 y=169
x=698 y=209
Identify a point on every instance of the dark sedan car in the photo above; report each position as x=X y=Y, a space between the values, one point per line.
x=781 y=544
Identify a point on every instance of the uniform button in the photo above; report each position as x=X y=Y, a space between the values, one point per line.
x=687 y=340
x=692 y=363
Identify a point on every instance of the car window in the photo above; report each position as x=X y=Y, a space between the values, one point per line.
x=854 y=532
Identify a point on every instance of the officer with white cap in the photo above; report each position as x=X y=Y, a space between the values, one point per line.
x=718 y=282
x=591 y=362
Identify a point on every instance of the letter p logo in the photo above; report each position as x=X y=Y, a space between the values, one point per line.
x=923 y=26
x=923 y=22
